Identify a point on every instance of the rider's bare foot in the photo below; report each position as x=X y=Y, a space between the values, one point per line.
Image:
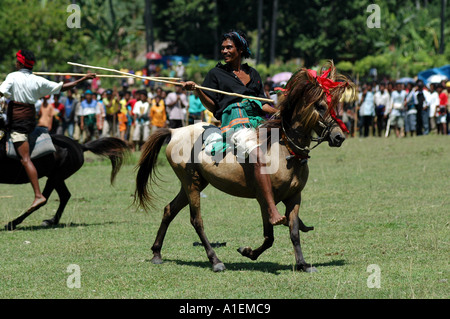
x=277 y=219
x=38 y=202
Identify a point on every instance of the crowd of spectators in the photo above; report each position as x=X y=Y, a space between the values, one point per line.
x=130 y=114
x=384 y=109
x=378 y=109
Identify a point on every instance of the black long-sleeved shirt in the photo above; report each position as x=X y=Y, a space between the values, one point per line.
x=222 y=78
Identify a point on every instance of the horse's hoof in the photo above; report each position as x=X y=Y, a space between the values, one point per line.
x=219 y=267
x=48 y=223
x=156 y=260
x=247 y=252
x=244 y=251
x=310 y=269
x=10 y=226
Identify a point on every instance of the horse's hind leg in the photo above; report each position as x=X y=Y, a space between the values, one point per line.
x=170 y=212
x=197 y=223
x=64 y=196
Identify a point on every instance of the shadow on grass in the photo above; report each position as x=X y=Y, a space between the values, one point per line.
x=267 y=267
x=61 y=225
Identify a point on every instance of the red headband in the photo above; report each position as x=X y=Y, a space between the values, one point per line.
x=326 y=84
x=21 y=59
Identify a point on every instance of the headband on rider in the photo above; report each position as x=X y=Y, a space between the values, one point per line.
x=242 y=40
x=22 y=60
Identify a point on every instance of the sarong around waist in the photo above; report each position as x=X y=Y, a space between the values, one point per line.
x=21 y=117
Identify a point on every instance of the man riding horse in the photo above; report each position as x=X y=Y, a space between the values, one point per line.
x=24 y=89
x=240 y=117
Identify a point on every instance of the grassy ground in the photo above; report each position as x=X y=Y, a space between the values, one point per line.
x=382 y=202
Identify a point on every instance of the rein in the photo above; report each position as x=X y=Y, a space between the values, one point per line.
x=302 y=153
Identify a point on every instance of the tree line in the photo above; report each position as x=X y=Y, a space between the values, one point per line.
x=116 y=32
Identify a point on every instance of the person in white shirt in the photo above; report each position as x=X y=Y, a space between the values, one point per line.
x=141 y=112
x=175 y=102
x=24 y=89
x=434 y=105
x=367 y=109
x=395 y=109
x=91 y=112
x=381 y=99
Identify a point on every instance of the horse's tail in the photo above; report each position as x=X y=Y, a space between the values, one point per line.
x=113 y=148
x=146 y=166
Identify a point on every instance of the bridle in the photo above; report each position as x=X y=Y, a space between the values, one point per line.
x=300 y=152
x=327 y=85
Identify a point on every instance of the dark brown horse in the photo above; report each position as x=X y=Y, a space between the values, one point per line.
x=59 y=166
x=309 y=105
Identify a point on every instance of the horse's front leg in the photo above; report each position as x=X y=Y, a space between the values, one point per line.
x=13 y=224
x=64 y=196
x=295 y=225
x=268 y=237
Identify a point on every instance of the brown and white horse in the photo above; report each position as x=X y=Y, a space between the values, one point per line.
x=309 y=105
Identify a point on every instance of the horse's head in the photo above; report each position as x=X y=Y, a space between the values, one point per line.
x=327 y=128
x=311 y=102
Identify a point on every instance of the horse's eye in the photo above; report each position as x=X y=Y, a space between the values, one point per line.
x=321 y=108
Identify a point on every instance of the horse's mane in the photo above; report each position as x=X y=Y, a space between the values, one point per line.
x=301 y=93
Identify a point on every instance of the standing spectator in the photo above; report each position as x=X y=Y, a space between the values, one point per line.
x=70 y=103
x=112 y=106
x=381 y=99
x=195 y=109
x=175 y=103
x=348 y=100
x=78 y=133
x=434 y=105
x=411 y=111
x=100 y=116
x=442 y=111
x=422 y=103
x=58 y=115
x=45 y=114
x=125 y=97
x=395 y=111
x=122 y=118
x=141 y=119
x=158 y=113
x=180 y=70
x=367 y=110
x=90 y=108
x=446 y=88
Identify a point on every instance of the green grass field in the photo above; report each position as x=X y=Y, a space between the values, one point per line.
x=382 y=202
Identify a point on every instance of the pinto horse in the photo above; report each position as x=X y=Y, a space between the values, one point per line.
x=59 y=166
x=309 y=105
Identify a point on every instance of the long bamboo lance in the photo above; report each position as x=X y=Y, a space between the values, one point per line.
x=103 y=75
x=173 y=83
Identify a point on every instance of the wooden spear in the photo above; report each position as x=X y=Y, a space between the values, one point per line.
x=103 y=75
x=173 y=83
